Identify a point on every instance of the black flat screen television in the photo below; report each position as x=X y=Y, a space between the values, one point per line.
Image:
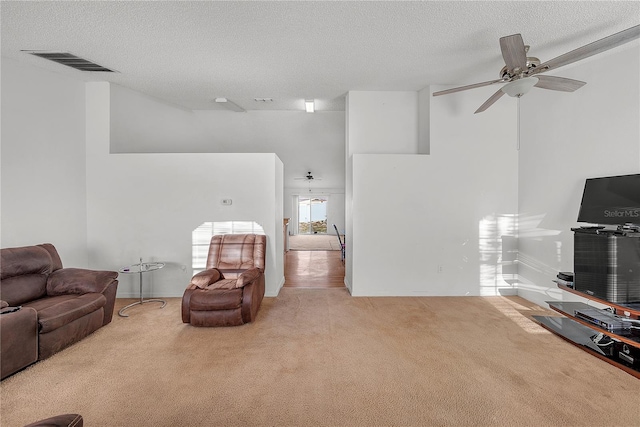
x=612 y=200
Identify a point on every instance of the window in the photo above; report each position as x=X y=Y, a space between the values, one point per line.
x=312 y=215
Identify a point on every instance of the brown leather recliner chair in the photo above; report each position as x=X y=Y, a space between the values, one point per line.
x=65 y=420
x=230 y=290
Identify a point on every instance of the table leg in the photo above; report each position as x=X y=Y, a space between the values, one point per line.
x=142 y=301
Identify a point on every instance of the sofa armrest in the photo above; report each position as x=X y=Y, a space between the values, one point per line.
x=18 y=339
x=248 y=276
x=79 y=281
x=205 y=278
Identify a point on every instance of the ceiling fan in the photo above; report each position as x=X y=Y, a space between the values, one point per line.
x=522 y=72
x=308 y=177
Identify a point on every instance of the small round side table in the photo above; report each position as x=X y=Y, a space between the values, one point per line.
x=142 y=267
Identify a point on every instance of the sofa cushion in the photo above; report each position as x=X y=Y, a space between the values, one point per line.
x=216 y=299
x=56 y=262
x=23 y=272
x=24 y=260
x=20 y=289
x=78 y=281
x=57 y=311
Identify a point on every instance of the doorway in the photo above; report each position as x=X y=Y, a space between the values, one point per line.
x=312 y=259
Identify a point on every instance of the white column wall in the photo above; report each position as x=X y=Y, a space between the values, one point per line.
x=441 y=224
x=566 y=138
x=381 y=123
x=43 y=161
x=147 y=205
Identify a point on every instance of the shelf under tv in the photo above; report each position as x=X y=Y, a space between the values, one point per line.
x=579 y=335
x=631 y=310
x=580 y=332
x=569 y=308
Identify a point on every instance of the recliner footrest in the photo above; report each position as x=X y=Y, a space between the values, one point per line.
x=216 y=299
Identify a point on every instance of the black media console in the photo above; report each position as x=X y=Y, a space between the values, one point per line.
x=607 y=264
x=606 y=270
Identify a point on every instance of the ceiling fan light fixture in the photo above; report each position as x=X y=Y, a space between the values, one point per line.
x=309 y=105
x=519 y=87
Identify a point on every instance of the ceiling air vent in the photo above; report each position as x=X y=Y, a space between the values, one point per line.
x=69 y=60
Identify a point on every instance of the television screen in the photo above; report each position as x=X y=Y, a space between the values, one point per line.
x=611 y=200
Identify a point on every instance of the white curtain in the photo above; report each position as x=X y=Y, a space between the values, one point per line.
x=293 y=223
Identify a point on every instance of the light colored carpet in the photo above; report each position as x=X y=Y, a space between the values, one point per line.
x=323 y=358
x=314 y=242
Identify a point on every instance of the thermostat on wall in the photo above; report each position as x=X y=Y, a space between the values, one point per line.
x=226 y=201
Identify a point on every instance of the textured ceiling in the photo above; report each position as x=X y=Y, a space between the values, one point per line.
x=189 y=53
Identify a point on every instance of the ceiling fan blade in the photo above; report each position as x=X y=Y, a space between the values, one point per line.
x=489 y=102
x=514 y=53
x=559 y=83
x=590 y=49
x=461 y=88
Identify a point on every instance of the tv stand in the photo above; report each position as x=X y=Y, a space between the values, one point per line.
x=620 y=348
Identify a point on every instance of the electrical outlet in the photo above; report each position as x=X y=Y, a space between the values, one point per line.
x=440 y=268
x=226 y=202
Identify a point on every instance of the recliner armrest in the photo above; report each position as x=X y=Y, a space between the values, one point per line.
x=248 y=276
x=206 y=277
x=79 y=281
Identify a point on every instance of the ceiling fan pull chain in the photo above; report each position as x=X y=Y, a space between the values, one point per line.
x=518 y=126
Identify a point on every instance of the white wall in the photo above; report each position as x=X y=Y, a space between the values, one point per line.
x=303 y=141
x=143 y=124
x=146 y=205
x=383 y=122
x=435 y=225
x=470 y=177
x=43 y=161
x=566 y=138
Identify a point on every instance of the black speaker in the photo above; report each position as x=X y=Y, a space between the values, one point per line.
x=607 y=265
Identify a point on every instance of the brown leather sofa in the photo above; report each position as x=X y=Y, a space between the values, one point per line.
x=230 y=290
x=46 y=307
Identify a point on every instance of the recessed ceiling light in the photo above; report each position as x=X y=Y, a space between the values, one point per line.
x=229 y=105
x=309 y=105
